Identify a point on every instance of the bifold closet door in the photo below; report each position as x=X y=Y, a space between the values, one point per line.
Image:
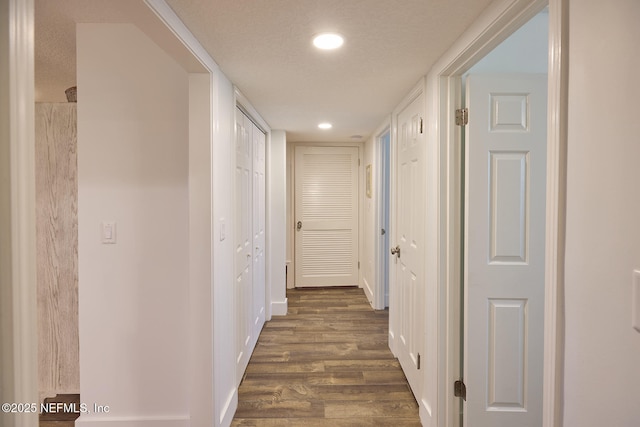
x=249 y=238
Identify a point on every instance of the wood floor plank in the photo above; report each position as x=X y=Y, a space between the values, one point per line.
x=297 y=408
x=324 y=422
x=327 y=363
x=370 y=408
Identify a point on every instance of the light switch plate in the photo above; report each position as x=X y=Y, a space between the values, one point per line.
x=635 y=298
x=108 y=232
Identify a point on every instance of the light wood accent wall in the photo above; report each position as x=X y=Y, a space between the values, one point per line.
x=57 y=248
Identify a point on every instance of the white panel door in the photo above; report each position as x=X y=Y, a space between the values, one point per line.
x=505 y=238
x=405 y=305
x=258 y=312
x=243 y=242
x=326 y=216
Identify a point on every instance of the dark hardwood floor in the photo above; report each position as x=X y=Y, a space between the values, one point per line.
x=327 y=363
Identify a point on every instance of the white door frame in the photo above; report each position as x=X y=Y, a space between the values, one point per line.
x=18 y=313
x=499 y=21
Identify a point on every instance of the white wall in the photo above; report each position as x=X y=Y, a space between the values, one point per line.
x=201 y=381
x=133 y=133
x=371 y=234
x=223 y=165
x=602 y=353
x=368 y=264
x=289 y=216
x=276 y=221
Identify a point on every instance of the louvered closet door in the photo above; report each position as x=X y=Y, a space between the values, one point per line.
x=326 y=216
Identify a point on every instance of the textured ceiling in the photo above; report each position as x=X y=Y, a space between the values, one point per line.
x=264 y=47
x=55 y=39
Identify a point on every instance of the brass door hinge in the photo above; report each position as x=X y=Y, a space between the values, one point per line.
x=462 y=116
x=460 y=389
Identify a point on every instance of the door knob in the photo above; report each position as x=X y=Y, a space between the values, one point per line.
x=299 y=226
x=396 y=251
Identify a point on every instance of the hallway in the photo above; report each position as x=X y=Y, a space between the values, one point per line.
x=326 y=363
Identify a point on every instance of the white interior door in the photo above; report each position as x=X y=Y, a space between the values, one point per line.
x=243 y=242
x=406 y=299
x=259 y=141
x=326 y=216
x=504 y=256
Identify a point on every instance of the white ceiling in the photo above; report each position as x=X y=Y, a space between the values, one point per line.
x=264 y=47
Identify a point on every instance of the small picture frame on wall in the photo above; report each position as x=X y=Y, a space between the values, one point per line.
x=368 y=177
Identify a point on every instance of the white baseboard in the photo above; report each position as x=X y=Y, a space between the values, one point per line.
x=229 y=410
x=279 y=308
x=149 y=421
x=368 y=292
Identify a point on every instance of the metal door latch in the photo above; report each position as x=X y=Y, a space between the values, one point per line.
x=299 y=226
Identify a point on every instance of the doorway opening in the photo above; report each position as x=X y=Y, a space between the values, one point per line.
x=384 y=182
x=453 y=189
x=503 y=212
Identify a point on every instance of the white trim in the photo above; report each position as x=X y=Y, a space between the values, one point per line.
x=449 y=215
x=182 y=33
x=250 y=111
x=556 y=213
x=276 y=181
x=279 y=308
x=22 y=345
x=229 y=409
x=494 y=25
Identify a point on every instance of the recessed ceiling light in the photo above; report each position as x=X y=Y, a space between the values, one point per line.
x=325 y=125
x=328 y=41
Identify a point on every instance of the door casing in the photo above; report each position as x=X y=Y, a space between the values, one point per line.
x=444 y=91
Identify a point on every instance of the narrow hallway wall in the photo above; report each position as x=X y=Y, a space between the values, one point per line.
x=133 y=132
x=602 y=348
